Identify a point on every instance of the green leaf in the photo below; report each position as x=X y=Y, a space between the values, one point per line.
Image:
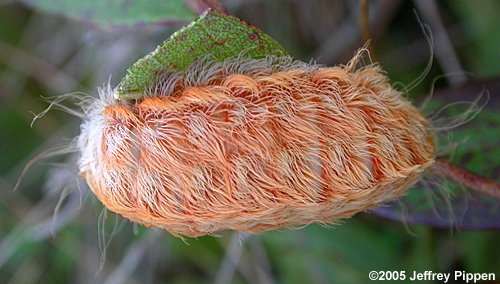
x=118 y=12
x=213 y=33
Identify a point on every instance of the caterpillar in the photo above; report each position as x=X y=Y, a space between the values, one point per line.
x=254 y=145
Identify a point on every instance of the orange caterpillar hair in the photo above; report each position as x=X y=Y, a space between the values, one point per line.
x=254 y=145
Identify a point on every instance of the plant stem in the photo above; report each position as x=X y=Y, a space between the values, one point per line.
x=471 y=180
x=365 y=28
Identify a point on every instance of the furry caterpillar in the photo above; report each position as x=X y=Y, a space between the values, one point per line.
x=254 y=145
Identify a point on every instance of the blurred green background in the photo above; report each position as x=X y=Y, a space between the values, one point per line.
x=53 y=230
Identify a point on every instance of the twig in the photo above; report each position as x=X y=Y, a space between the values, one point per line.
x=445 y=53
x=232 y=258
x=35 y=228
x=473 y=181
x=43 y=72
x=132 y=258
x=261 y=261
x=215 y=4
x=347 y=36
x=365 y=28
x=201 y=6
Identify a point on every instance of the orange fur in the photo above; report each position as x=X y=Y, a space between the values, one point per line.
x=257 y=149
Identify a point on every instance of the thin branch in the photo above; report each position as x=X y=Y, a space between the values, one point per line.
x=201 y=6
x=232 y=258
x=347 y=37
x=471 y=180
x=42 y=71
x=445 y=52
x=261 y=261
x=215 y=4
x=365 y=28
x=132 y=258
